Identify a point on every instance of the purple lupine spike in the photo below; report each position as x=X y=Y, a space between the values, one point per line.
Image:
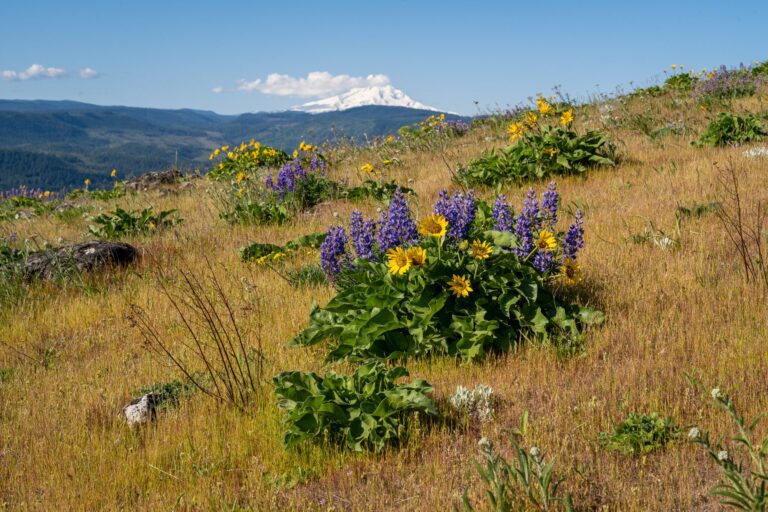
x=362 y=232
x=333 y=252
x=549 y=203
x=543 y=261
x=503 y=218
x=396 y=227
x=459 y=211
x=574 y=237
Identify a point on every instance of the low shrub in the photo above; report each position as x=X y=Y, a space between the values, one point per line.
x=731 y=129
x=247 y=157
x=363 y=411
x=469 y=280
x=543 y=150
x=640 y=433
x=680 y=82
x=121 y=222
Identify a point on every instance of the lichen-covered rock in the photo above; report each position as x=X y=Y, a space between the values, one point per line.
x=84 y=257
x=142 y=409
x=153 y=180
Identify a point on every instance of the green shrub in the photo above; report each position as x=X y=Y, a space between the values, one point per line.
x=308 y=276
x=374 y=189
x=365 y=410
x=245 y=158
x=543 y=151
x=260 y=252
x=640 y=433
x=169 y=393
x=731 y=129
x=681 y=82
x=128 y=223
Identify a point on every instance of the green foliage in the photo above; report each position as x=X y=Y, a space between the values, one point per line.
x=12 y=285
x=760 y=69
x=547 y=152
x=697 y=209
x=745 y=487
x=526 y=483
x=10 y=208
x=128 y=223
x=374 y=189
x=263 y=251
x=308 y=276
x=106 y=194
x=6 y=374
x=379 y=315
x=253 y=207
x=640 y=433
x=680 y=82
x=730 y=129
x=169 y=393
x=365 y=410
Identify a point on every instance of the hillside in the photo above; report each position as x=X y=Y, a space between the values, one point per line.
x=36 y=136
x=649 y=174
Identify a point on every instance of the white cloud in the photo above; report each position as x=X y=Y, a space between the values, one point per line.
x=316 y=83
x=88 y=73
x=217 y=90
x=33 y=72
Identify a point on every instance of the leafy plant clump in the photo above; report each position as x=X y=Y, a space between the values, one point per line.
x=640 y=433
x=121 y=222
x=470 y=280
x=261 y=252
x=543 y=150
x=731 y=129
x=681 y=82
x=363 y=411
x=169 y=393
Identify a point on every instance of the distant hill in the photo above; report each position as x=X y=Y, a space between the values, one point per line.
x=56 y=144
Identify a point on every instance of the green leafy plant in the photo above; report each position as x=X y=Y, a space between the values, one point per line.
x=247 y=157
x=374 y=189
x=640 y=433
x=122 y=222
x=731 y=129
x=482 y=291
x=169 y=393
x=261 y=252
x=6 y=374
x=363 y=411
x=744 y=487
x=307 y=276
x=107 y=194
x=543 y=150
x=680 y=82
x=527 y=482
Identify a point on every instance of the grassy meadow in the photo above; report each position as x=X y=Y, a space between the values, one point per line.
x=71 y=356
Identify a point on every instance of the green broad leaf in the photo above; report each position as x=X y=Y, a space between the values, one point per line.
x=589 y=316
x=503 y=239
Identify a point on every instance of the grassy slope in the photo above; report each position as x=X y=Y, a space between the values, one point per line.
x=62 y=445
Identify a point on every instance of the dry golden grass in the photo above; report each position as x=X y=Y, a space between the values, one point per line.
x=63 y=446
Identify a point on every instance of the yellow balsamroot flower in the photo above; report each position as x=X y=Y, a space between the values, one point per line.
x=230 y=154
x=278 y=255
x=398 y=261
x=240 y=177
x=388 y=162
x=480 y=250
x=151 y=225
x=216 y=152
x=417 y=255
x=515 y=130
x=544 y=107
x=113 y=173
x=460 y=286
x=295 y=153
x=87 y=181
x=674 y=66
x=567 y=117
x=225 y=148
x=531 y=118
x=546 y=241
x=551 y=151
x=366 y=168
x=434 y=225
x=390 y=138
x=571 y=271
x=47 y=194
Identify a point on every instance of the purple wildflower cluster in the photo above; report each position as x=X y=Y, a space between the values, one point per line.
x=729 y=83
x=363 y=234
x=293 y=172
x=453 y=127
x=459 y=211
x=503 y=216
x=396 y=227
x=28 y=193
x=333 y=252
x=574 y=238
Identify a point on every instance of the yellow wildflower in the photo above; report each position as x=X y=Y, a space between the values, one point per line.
x=366 y=168
x=571 y=271
x=567 y=117
x=550 y=151
x=480 y=250
x=417 y=255
x=544 y=107
x=515 y=130
x=225 y=148
x=398 y=261
x=546 y=241
x=295 y=153
x=240 y=177
x=460 y=286
x=390 y=138
x=113 y=173
x=87 y=182
x=47 y=194
x=435 y=225
x=530 y=119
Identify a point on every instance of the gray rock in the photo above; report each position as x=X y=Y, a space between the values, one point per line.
x=153 y=180
x=142 y=409
x=85 y=257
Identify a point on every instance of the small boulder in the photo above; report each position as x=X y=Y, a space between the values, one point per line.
x=142 y=409
x=153 y=180
x=85 y=257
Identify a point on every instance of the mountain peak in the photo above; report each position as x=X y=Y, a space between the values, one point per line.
x=385 y=95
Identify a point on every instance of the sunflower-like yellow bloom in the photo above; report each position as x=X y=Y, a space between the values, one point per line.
x=295 y=153
x=546 y=241
x=567 y=117
x=434 y=225
x=240 y=177
x=460 y=286
x=515 y=130
x=571 y=271
x=87 y=181
x=366 y=168
x=398 y=261
x=417 y=255
x=551 y=151
x=544 y=107
x=531 y=118
x=480 y=250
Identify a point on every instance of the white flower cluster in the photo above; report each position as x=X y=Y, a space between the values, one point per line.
x=476 y=403
x=756 y=152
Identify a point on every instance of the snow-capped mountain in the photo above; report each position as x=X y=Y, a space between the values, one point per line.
x=362 y=96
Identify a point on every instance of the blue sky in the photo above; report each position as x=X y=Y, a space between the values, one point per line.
x=174 y=54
